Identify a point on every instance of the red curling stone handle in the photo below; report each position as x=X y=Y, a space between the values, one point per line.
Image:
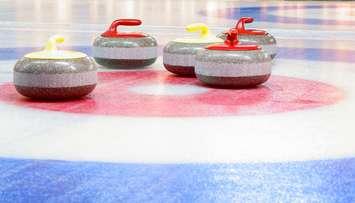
x=241 y=27
x=232 y=43
x=232 y=38
x=113 y=31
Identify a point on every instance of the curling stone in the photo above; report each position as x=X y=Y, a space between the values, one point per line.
x=233 y=65
x=253 y=36
x=115 y=49
x=55 y=74
x=179 y=54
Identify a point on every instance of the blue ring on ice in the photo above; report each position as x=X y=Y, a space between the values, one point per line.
x=265 y=13
x=26 y=180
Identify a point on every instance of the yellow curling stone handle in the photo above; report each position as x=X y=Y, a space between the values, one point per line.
x=199 y=27
x=51 y=51
x=51 y=44
x=205 y=36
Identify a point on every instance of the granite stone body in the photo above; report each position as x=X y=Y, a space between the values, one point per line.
x=125 y=52
x=267 y=41
x=55 y=79
x=236 y=69
x=179 y=57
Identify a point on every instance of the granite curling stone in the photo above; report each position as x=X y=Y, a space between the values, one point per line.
x=233 y=65
x=179 y=54
x=55 y=74
x=253 y=36
x=115 y=49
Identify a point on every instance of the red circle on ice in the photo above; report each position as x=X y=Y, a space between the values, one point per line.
x=158 y=93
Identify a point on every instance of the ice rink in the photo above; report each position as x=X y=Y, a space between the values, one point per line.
x=147 y=135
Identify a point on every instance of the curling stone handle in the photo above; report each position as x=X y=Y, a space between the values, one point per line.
x=51 y=44
x=125 y=22
x=241 y=23
x=241 y=27
x=231 y=43
x=199 y=27
x=232 y=38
